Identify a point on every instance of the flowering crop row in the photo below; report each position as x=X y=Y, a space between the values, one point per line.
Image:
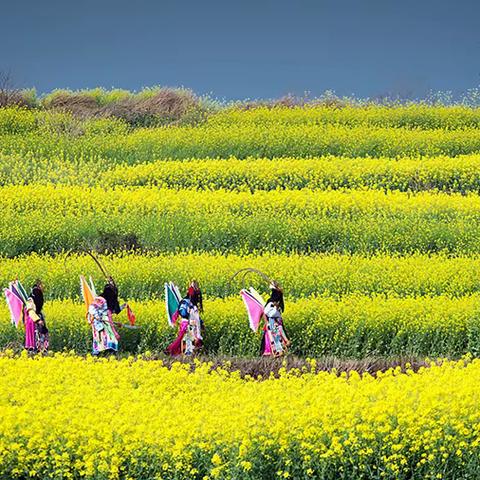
x=300 y=220
x=409 y=174
x=353 y=326
x=440 y=173
x=143 y=276
x=68 y=417
x=242 y=141
x=409 y=116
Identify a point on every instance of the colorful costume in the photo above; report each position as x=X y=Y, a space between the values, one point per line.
x=105 y=336
x=29 y=319
x=28 y=310
x=274 y=339
x=189 y=338
x=41 y=330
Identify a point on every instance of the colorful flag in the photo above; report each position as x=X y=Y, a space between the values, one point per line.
x=20 y=291
x=15 y=305
x=131 y=316
x=86 y=292
x=92 y=287
x=254 y=304
x=172 y=301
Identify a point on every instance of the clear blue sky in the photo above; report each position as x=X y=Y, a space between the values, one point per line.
x=244 y=48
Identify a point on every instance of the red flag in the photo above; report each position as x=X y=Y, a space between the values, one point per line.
x=131 y=316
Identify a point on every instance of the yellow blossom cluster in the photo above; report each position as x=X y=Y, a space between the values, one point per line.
x=68 y=417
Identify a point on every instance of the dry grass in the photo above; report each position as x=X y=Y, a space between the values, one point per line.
x=14 y=99
x=329 y=100
x=164 y=106
x=263 y=367
x=80 y=105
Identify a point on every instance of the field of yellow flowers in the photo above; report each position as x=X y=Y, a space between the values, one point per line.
x=355 y=326
x=367 y=215
x=160 y=220
x=68 y=417
x=345 y=305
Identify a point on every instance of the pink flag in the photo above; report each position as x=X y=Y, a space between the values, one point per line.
x=254 y=308
x=15 y=305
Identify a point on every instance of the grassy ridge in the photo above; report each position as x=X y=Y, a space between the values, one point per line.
x=354 y=326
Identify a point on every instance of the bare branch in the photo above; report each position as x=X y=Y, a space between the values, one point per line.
x=9 y=93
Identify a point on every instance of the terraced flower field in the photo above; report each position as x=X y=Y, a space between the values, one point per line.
x=368 y=216
x=341 y=205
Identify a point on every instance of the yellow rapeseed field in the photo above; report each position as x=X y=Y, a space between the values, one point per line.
x=304 y=220
x=351 y=326
x=68 y=417
x=367 y=215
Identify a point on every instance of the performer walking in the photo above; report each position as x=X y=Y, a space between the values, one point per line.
x=104 y=334
x=37 y=301
x=100 y=311
x=274 y=341
x=186 y=312
x=28 y=310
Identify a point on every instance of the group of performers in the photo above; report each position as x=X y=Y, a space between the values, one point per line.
x=186 y=313
x=183 y=312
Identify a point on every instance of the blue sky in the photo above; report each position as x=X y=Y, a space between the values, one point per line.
x=244 y=49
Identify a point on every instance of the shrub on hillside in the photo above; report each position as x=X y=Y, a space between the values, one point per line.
x=148 y=108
